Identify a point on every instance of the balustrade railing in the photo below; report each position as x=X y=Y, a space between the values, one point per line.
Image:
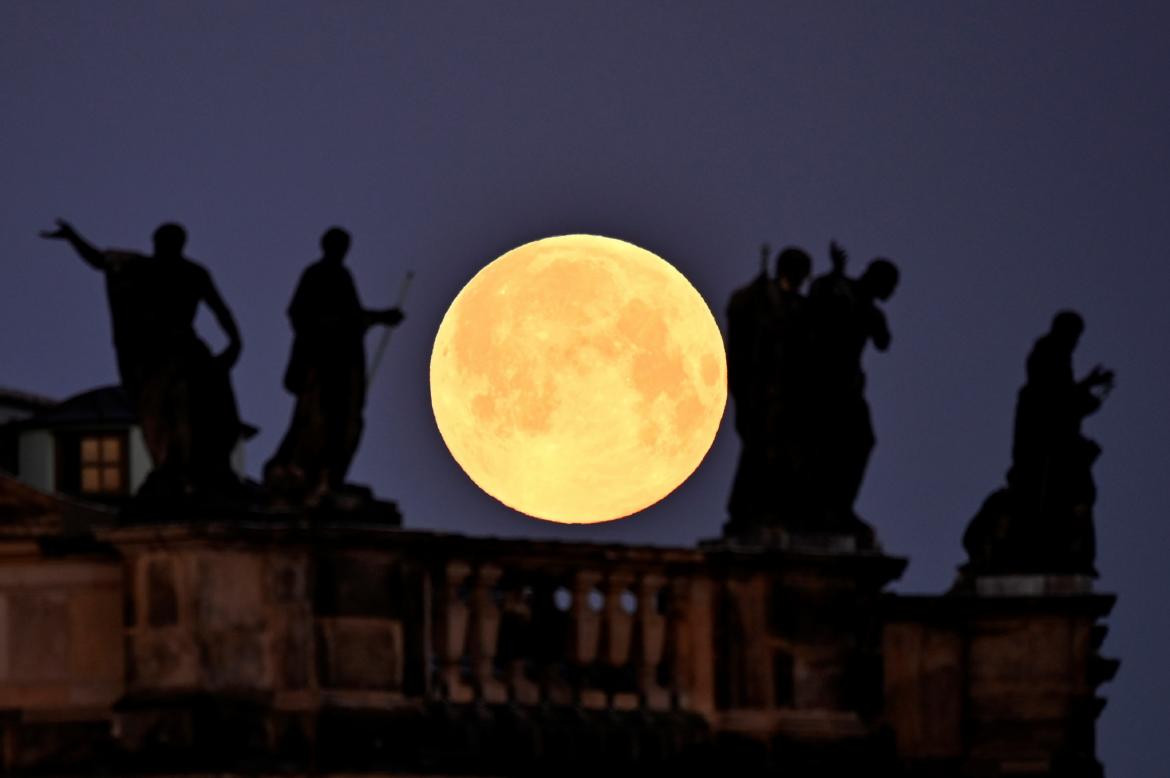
x=600 y=632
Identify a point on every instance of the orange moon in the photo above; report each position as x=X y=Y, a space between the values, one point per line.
x=578 y=379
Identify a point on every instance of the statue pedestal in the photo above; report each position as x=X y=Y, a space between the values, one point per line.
x=1036 y=585
x=1002 y=670
x=785 y=540
x=797 y=646
x=844 y=537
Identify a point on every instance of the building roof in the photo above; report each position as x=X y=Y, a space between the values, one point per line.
x=104 y=404
x=27 y=511
x=25 y=401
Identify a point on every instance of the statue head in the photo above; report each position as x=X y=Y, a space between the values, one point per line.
x=880 y=278
x=1067 y=327
x=169 y=240
x=335 y=243
x=792 y=267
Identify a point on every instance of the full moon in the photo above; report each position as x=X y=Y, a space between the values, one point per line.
x=578 y=379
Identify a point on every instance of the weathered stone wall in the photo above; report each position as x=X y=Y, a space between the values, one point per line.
x=272 y=645
x=1000 y=684
x=60 y=632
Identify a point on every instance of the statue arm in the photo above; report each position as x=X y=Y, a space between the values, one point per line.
x=880 y=331
x=1093 y=389
x=226 y=322
x=391 y=317
x=92 y=256
x=838 y=257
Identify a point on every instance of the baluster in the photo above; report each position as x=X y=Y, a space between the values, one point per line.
x=485 y=632
x=678 y=633
x=587 y=636
x=651 y=630
x=452 y=638
x=519 y=612
x=619 y=632
x=555 y=631
x=619 y=624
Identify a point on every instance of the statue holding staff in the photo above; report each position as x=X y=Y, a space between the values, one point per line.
x=327 y=373
x=768 y=360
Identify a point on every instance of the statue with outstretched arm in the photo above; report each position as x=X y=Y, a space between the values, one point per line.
x=180 y=392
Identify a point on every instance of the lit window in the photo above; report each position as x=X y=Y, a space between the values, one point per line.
x=103 y=461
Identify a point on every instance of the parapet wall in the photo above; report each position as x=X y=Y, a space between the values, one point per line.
x=270 y=643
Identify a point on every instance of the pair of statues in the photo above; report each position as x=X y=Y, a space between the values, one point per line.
x=795 y=376
x=182 y=393
x=794 y=372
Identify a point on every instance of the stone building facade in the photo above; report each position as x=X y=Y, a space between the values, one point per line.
x=277 y=643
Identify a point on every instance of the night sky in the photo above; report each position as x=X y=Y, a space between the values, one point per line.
x=1013 y=158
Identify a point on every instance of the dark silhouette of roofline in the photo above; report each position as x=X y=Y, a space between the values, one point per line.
x=25 y=401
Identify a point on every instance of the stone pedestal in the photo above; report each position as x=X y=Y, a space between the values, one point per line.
x=997 y=678
x=798 y=650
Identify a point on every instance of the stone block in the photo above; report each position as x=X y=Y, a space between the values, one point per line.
x=95 y=636
x=227 y=590
x=357 y=585
x=233 y=659
x=163 y=659
x=924 y=689
x=360 y=653
x=38 y=637
x=162 y=597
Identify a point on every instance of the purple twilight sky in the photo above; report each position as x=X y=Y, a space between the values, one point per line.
x=1013 y=158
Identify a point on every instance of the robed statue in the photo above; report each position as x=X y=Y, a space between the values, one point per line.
x=327 y=374
x=181 y=393
x=1042 y=522
x=769 y=351
x=845 y=317
x=794 y=373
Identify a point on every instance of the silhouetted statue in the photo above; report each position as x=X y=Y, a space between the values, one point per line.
x=768 y=364
x=180 y=392
x=1042 y=522
x=327 y=373
x=844 y=317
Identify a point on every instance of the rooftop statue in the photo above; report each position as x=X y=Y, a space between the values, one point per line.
x=1042 y=521
x=795 y=376
x=845 y=317
x=327 y=373
x=181 y=393
x=768 y=357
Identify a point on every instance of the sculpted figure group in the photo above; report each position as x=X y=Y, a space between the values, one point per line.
x=799 y=391
x=794 y=364
x=182 y=393
x=794 y=375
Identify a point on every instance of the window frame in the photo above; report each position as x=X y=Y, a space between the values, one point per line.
x=70 y=464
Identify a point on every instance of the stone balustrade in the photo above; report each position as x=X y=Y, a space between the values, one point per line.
x=621 y=631
x=377 y=616
x=276 y=641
